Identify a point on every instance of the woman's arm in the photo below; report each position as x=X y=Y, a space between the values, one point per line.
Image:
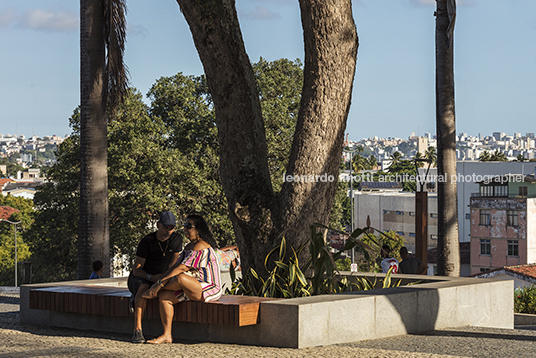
x=173 y=271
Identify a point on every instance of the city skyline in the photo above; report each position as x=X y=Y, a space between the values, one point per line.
x=394 y=85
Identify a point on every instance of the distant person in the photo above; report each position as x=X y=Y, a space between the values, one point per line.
x=156 y=253
x=388 y=261
x=98 y=268
x=411 y=264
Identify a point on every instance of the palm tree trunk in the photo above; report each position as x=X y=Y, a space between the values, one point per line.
x=448 y=242
x=93 y=231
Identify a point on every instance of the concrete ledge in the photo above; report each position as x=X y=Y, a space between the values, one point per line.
x=523 y=319
x=441 y=302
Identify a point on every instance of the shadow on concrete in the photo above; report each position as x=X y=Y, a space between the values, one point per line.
x=478 y=335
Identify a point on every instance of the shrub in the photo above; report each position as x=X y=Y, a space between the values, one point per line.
x=525 y=299
x=287 y=279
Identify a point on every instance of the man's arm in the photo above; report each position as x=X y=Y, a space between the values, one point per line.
x=174 y=259
x=139 y=272
x=422 y=269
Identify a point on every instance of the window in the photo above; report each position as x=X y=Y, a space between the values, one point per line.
x=433 y=237
x=401 y=233
x=399 y=213
x=486 y=190
x=411 y=234
x=433 y=215
x=412 y=213
x=511 y=218
x=485 y=217
x=485 y=247
x=523 y=191
x=513 y=248
x=387 y=212
x=501 y=190
x=468 y=216
x=484 y=269
x=494 y=190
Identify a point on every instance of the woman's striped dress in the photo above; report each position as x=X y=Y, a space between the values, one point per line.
x=206 y=269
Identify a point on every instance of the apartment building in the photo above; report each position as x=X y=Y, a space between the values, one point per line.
x=503 y=223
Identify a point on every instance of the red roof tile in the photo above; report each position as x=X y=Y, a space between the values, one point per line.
x=3 y=181
x=527 y=270
x=6 y=212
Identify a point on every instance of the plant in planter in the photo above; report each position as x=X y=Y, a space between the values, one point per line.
x=525 y=299
x=287 y=278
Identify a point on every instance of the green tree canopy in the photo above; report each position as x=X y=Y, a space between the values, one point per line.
x=25 y=214
x=162 y=156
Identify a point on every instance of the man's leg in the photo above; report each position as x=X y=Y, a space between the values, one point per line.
x=137 y=286
x=140 y=304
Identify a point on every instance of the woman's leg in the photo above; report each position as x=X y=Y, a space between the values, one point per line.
x=166 y=301
x=190 y=285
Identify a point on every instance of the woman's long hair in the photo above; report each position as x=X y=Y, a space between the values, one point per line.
x=202 y=228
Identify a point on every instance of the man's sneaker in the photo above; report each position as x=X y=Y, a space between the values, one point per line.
x=137 y=337
x=131 y=304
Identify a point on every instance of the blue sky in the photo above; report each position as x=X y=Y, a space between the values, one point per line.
x=495 y=61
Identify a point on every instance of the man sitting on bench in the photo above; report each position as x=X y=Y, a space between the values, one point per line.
x=156 y=253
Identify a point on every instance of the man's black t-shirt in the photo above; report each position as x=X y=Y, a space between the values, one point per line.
x=157 y=254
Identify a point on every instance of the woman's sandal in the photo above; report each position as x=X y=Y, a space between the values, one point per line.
x=156 y=341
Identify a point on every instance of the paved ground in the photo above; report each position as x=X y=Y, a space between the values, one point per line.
x=18 y=340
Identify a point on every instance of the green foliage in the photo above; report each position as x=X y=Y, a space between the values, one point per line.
x=7 y=238
x=525 y=299
x=280 y=84
x=344 y=264
x=286 y=279
x=161 y=157
x=390 y=238
x=496 y=156
x=520 y=158
x=403 y=167
x=431 y=153
x=365 y=284
x=11 y=166
x=52 y=237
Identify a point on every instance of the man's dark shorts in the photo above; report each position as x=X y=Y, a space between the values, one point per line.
x=134 y=283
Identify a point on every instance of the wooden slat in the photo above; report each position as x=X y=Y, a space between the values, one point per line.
x=113 y=301
x=249 y=314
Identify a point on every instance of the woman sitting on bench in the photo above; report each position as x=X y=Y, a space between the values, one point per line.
x=195 y=276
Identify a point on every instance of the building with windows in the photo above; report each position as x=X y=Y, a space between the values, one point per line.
x=394 y=211
x=381 y=204
x=503 y=222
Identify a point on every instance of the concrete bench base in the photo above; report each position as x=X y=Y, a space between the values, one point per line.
x=327 y=319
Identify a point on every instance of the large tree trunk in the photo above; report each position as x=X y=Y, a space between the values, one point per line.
x=448 y=243
x=331 y=42
x=93 y=233
x=259 y=217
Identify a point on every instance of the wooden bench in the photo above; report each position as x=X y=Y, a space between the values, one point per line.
x=113 y=301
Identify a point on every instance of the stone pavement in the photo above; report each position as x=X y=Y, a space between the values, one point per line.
x=18 y=340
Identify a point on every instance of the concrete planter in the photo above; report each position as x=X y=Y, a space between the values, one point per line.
x=524 y=319
x=441 y=302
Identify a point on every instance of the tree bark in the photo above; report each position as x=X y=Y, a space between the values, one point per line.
x=448 y=242
x=331 y=42
x=93 y=232
x=259 y=216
